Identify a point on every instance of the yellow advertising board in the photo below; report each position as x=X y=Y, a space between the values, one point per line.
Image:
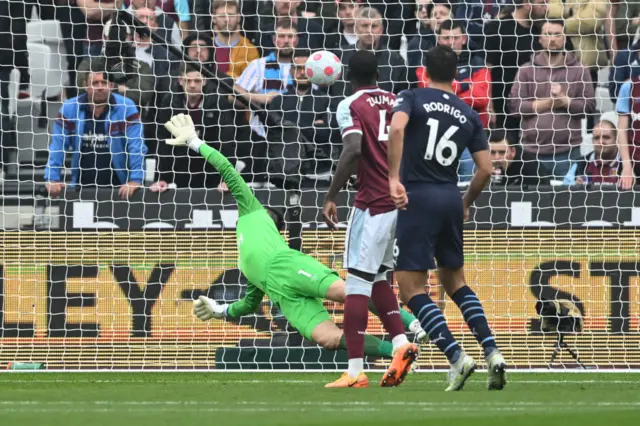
x=124 y=299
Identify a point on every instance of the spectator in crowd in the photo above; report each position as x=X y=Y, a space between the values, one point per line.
x=552 y=94
x=512 y=165
x=97 y=13
x=626 y=65
x=621 y=24
x=103 y=133
x=306 y=107
x=475 y=14
x=167 y=27
x=210 y=114
x=176 y=10
x=247 y=9
x=628 y=109
x=393 y=71
x=139 y=88
x=261 y=81
x=73 y=28
x=232 y=51
x=602 y=166
x=20 y=13
x=430 y=15
x=510 y=42
x=472 y=85
x=610 y=27
x=345 y=34
x=397 y=14
x=582 y=20
x=156 y=56
x=267 y=77
x=310 y=34
x=199 y=48
x=7 y=64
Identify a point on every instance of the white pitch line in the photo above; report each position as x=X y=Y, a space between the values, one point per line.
x=297 y=409
x=204 y=381
x=32 y=410
x=329 y=404
x=280 y=381
x=233 y=372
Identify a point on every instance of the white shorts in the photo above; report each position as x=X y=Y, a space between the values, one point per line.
x=369 y=241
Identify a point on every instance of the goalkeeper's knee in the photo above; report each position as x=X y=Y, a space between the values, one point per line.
x=330 y=342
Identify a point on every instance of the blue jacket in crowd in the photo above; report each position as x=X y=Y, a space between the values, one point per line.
x=124 y=136
x=625 y=66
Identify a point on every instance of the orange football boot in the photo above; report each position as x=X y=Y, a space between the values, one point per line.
x=400 y=365
x=347 y=382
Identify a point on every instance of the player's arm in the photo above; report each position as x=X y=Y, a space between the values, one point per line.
x=396 y=143
x=182 y=128
x=623 y=108
x=256 y=98
x=205 y=308
x=484 y=168
x=248 y=304
x=351 y=151
x=610 y=28
x=351 y=129
x=247 y=84
x=399 y=120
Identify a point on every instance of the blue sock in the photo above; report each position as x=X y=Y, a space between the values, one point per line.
x=435 y=325
x=475 y=318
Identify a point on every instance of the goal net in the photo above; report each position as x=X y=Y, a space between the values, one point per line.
x=109 y=234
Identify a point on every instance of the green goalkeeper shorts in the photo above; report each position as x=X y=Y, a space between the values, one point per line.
x=298 y=284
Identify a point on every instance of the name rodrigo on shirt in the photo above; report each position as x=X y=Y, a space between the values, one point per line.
x=447 y=109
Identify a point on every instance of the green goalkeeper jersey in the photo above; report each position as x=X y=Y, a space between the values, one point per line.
x=258 y=238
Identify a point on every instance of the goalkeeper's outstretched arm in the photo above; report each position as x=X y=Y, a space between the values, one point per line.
x=205 y=308
x=247 y=202
x=182 y=128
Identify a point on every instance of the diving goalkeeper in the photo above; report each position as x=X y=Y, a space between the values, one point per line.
x=294 y=281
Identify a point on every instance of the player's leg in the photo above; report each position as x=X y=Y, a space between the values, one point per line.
x=415 y=239
x=311 y=319
x=449 y=254
x=247 y=202
x=367 y=239
x=383 y=297
x=336 y=293
x=453 y=281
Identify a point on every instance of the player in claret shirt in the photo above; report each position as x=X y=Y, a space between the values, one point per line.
x=294 y=281
x=364 y=119
x=429 y=131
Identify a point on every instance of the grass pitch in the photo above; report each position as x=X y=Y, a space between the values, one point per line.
x=264 y=399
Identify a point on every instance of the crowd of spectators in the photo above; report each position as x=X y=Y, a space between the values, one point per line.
x=529 y=67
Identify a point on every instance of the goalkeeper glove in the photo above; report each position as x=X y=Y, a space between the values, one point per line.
x=182 y=128
x=205 y=309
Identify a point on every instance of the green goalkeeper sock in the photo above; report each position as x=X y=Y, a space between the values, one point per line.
x=373 y=346
x=405 y=316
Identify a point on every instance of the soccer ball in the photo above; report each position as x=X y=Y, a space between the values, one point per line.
x=323 y=68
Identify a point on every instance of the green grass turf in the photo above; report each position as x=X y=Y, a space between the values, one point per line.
x=264 y=399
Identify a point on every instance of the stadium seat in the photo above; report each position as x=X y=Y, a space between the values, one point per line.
x=14 y=82
x=603 y=101
x=49 y=34
x=46 y=71
x=44 y=31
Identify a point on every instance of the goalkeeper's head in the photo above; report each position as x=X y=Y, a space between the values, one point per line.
x=277 y=215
